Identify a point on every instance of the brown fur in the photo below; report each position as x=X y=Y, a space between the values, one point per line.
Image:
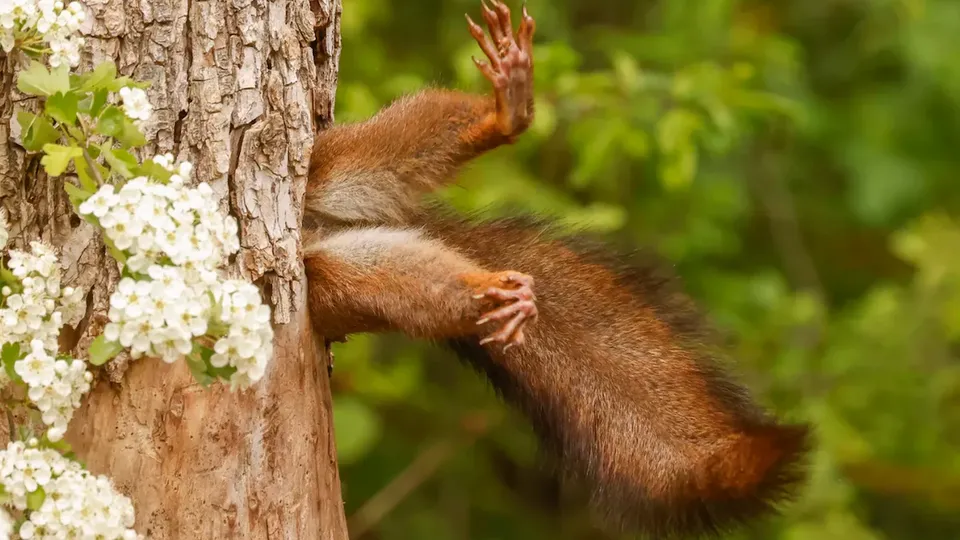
x=385 y=278
x=382 y=182
x=615 y=374
x=623 y=392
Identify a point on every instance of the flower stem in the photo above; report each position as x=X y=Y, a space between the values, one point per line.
x=93 y=167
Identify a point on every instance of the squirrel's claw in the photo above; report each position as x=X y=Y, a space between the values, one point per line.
x=509 y=64
x=521 y=309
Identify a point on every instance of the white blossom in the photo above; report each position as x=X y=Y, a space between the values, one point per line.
x=33 y=318
x=160 y=314
x=76 y=503
x=175 y=240
x=248 y=343
x=41 y=308
x=6 y=525
x=150 y=221
x=37 y=367
x=58 y=399
x=4 y=231
x=136 y=105
x=43 y=24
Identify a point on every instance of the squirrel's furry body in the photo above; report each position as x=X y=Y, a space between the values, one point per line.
x=610 y=363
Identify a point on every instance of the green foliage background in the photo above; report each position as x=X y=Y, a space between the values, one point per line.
x=797 y=160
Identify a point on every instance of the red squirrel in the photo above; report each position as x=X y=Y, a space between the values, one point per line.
x=603 y=356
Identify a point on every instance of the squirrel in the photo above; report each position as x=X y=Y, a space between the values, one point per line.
x=602 y=353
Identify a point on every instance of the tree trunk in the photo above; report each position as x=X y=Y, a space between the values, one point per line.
x=238 y=88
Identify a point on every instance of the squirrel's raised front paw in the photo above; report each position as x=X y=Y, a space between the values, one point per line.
x=515 y=290
x=510 y=65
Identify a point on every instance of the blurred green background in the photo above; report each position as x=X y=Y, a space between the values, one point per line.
x=798 y=160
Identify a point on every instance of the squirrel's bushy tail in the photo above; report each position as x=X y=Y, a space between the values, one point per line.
x=624 y=392
x=737 y=483
x=656 y=484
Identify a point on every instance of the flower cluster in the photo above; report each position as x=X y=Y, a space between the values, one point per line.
x=156 y=223
x=40 y=308
x=135 y=104
x=55 y=386
x=248 y=342
x=39 y=26
x=32 y=317
x=75 y=504
x=175 y=239
x=159 y=315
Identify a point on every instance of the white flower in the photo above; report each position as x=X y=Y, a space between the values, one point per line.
x=77 y=504
x=54 y=386
x=100 y=202
x=136 y=105
x=43 y=20
x=175 y=240
x=4 y=229
x=6 y=525
x=149 y=220
x=164 y=160
x=7 y=40
x=36 y=369
x=33 y=317
x=248 y=345
x=72 y=305
x=27 y=530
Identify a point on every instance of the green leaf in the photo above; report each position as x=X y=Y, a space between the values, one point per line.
x=676 y=129
x=93 y=103
x=74 y=131
x=10 y=354
x=121 y=82
x=35 y=498
x=595 y=155
x=153 y=170
x=36 y=131
x=101 y=78
x=76 y=194
x=198 y=367
x=37 y=81
x=111 y=121
x=224 y=372
x=87 y=180
x=679 y=170
x=120 y=161
x=63 y=107
x=130 y=135
x=114 y=252
x=61 y=446
x=58 y=157
x=101 y=350
x=7 y=277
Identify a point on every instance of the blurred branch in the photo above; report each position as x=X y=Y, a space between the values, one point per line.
x=904 y=481
x=780 y=210
x=785 y=227
x=397 y=490
x=419 y=471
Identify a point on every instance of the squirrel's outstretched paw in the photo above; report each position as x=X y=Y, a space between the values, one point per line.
x=509 y=65
x=519 y=309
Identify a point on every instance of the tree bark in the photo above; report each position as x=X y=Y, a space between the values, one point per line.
x=239 y=89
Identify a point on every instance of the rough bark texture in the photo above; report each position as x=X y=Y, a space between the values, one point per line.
x=238 y=88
